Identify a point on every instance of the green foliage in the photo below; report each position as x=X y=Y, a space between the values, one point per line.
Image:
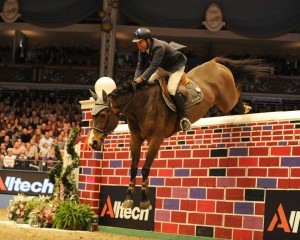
x=73 y=216
x=64 y=179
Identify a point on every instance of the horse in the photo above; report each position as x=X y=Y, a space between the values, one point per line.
x=150 y=119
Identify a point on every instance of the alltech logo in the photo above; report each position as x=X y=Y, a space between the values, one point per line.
x=25 y=182
x=113 y=214
x=282 y=215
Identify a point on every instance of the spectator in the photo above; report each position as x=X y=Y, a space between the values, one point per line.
x=46 y=139
x=37 y=136
x=25 y=136
x=9 y=159
x=22 y=160
x=7 y=142
x=32 y=150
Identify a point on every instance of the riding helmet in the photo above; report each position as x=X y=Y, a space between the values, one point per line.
x=142 y=33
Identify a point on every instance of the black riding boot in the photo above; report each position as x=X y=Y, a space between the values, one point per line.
x=185 y=123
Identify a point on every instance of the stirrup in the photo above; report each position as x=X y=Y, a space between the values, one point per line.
x=185 y=124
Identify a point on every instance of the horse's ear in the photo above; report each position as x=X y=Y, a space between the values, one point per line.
x=104 y=95
x=94 y=95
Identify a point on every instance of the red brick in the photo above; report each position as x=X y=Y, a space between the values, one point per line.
x=295 y=172
x=269 y=161
x=258 y=235
x=266 y=139
x=196 y=218
x=157 y=164
x=109 y=172
x=257 y=172
x=159 y=203
x=88 y=155
x=248 y=161
x=123 y=155
x=157 y=226
x=224 y=207
x=206 y=206
x=275 y=127
x=259 y=209
x=82 y=178
x=277 y=138
x=281 y=151
x=191 y=163
x=223 y=233
x=233 y=221
x=169 y=228
x=187 y=230
x=174 y=163
x=188 y=182
x=228 y=162
x=173 y=182
x=124 y=172
x=199 y=172
x=93 y=187
x=178 y=217
x=188 y=205
x=259 y=151
x=200 y=153
x=165 y=172
x=207 y=182
x=214 y=219
x=234 y=194
x=163 y=192
x=296 y=151
x=236 y=172
x=114 y=180
x=278 y=172
x=239 y=234
x=167 y=154
x=93 y=163
x=109 y=155
x=289 y=183
x=183 y=153
x=85 y=194
x=246 y=182
x=209 y=162
x=215 y=193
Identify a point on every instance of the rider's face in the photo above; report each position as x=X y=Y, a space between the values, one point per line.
x=142 y=45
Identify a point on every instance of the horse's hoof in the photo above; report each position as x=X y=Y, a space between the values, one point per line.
x=128 y=204
x=145 y=204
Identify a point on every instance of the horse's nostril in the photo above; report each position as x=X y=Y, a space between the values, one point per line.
x=94 y=144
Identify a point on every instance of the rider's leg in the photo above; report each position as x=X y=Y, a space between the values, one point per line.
x=159 y=73
x=174 y=79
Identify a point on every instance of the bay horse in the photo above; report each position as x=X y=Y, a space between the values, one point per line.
x=149 y=119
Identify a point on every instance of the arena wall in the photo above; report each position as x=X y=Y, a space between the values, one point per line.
x=211 y=181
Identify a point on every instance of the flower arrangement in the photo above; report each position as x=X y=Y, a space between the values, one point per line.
x=42 y=214
x=19 y=208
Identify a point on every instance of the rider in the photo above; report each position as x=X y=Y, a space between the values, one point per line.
x=156 y=58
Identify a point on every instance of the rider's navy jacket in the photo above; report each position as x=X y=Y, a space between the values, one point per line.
x=162 y=55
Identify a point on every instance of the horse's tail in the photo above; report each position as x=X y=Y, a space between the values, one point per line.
x=243 y=69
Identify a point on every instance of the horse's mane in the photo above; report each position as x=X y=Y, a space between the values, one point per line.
x=127 y=87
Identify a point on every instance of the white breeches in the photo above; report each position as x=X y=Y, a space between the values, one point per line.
x=174 y=78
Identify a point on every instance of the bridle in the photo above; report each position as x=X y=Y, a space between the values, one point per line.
x=104 y=132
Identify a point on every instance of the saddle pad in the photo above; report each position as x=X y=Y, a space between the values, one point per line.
x=195 y=95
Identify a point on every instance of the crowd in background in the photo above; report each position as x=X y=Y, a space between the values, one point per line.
x=31 y=124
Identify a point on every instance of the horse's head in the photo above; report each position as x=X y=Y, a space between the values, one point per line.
x=104 y=120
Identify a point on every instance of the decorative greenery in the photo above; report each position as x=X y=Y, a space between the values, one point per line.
x=73 y=216
x=64 y=179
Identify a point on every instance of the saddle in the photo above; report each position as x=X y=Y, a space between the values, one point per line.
x=191 y=93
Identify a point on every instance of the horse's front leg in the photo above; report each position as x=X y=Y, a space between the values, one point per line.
x=135 y=148
x=153 y=148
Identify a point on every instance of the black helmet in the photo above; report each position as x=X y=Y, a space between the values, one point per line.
x=142 y=33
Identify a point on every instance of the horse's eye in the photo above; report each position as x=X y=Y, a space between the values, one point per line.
x=102 y=115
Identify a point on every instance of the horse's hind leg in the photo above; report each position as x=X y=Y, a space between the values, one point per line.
x=135 y=147
x=241 y=107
